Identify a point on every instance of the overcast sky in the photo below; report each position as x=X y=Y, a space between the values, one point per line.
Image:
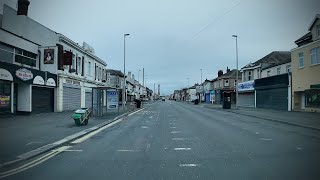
x=174 y=39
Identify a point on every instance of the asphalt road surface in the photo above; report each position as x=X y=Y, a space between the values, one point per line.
x=174 y=140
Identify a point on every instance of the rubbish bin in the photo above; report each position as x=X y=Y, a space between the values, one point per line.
x=196 y=101
x=138 y=103
x=226 y=103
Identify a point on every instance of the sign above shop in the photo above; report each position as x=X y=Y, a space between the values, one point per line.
x=38 y=80
x=51 y=82
x=24 y=74
x=246 y=86
x=5 y=75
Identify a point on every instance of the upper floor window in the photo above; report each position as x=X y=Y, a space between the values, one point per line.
x=226 y=83
x=235 y=82
x=79 y=65
x=301 y=60
x=6 y=53
x=88 y=69
x=278 y=70
x=249 y=76
x=25 y=57
x=73 y=61
x=258 y=73
x=315 y=56
x=268 y=73
x=288 y=68
x=318 y=30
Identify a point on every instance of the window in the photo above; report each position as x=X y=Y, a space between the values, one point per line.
x=278 y=70
x=268 y=73
x=301 y=60
x=73 y=61
x=226 y=83
x=249 y=75
x=25 y=57
x=315 y=56
x=88 y=69
x=258 y=73
x=318 y=30
x=6 y=53
x=235 y=82
x=288 y=68
x=79 y=65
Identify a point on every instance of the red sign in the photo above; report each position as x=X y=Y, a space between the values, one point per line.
x=24 y=74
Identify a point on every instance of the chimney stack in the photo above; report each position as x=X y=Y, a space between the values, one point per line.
x=220 y=73
x=228 y=70
x=23 y=7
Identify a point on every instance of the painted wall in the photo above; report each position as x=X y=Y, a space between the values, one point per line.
x=273 y=70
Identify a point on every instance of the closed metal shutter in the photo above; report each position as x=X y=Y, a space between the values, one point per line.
x=71 y=98
x=246 y=99
x=273 y=98
x=42 y=99
x=88 y=100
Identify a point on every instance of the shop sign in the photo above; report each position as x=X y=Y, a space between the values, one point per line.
x=51 y=82
x=75 y=82
x=24 y=74
x=38 y=80
x=5 y=75
x=4 y=101
x=246 y=86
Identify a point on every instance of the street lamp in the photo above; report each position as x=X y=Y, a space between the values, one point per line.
x=200 y=95
x=139 y=76
x=235 y=36
x=124 y=72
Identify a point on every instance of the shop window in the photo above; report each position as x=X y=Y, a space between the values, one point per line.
x=313 y=98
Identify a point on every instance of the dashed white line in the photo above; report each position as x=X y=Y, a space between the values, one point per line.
x=178 y=139
x=182 y=149
x=265 y=139
x=144 y=127
x=175 y=132
x=173 y=127
x=127 y=150
x=257 y=133
x=189 y=165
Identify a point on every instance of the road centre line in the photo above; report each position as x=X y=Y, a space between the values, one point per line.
x=127 y=150
x=178 y=139
x=175 y=132
x=265 y=139
x=80 y=140
x=135 y=112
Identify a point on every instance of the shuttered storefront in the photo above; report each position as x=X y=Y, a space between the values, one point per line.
x=273 y=98
x=42 y=99
x=71 y=98
x=88 y=100
x=246 y=99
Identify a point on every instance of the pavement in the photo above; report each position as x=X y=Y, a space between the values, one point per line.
x=172 y=140
x=302 y=119
x=23 y=136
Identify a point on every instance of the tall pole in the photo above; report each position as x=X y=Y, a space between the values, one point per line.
x=124 y=72
x=154 y=91
x=143 y=77
x=139 y=76
x=200 y=98
x=237 y=70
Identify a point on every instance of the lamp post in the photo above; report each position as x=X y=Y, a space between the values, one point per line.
x=124 y=72
x=235 y=36
x=139 y=76
x=201 y=88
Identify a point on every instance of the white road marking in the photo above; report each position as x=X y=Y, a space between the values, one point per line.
x=189 y=165
x=265 y=139
x=127 y=150
x=136 y=112
x=173 y=127
x=257 y=133
x=299 y=148
x=182 y=149
x=80 y=140
x=72 y=150
x=151 y=117
x=34 y=142
x=178 y=139
x=144 y=127
x=175 y=132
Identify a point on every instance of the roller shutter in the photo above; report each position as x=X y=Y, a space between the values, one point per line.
x=71 y=98
x=276 y=98
x=42 y=99
x=246 y=99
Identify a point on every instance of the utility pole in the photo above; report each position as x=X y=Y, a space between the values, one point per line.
x=143 y=77
x=154 y=91
x=124 y=72
x=237 y=70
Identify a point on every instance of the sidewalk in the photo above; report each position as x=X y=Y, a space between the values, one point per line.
x=23 y=133
x=302 y=119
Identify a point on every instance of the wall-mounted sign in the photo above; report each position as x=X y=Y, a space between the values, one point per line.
x=246 y=86
x=48 y=56
x=5 y=75
x=75 y=82
x=24 y=74
x=4 y=101
x=51 y=82
x=38 y=80
x=112 y=99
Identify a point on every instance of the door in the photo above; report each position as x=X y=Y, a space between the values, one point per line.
x=42 y=99
x=71 y=98
x=303 y=101
x=207 y=98
x=88 y=101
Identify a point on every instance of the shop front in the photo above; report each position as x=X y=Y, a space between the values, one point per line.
x=246 y=94
x=26 y=90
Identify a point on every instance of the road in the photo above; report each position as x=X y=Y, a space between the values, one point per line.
x=174 y=140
